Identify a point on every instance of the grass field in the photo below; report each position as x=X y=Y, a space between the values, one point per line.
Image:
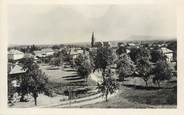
x=132 y=92
x=60 y=79
x=141 y=97
x=58 y=75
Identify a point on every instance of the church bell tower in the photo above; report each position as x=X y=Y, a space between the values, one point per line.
x=92 y=40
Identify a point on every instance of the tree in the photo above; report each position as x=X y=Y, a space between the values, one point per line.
x=121 y=50
x=55 y=47
x=144 y=69
x=172 y=45
x=162 y=71
x=125 y=66
x=156 y=54
x=141 y=57
x=56 y=61
x=80 y=59
x=103 y=58
x=34 y=80
x=83 y=65
x=108 y=85
x=137 y=53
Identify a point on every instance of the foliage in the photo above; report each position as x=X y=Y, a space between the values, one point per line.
x=121 y=50
x=46 y=59
x=173 y=46
x=103 y=58
x=55 y=47
x=108 y=86
x=80 y=59
x=83 y=65
x=141 y=56
x=34 y=80
x=125 y=66
x=56 y=61
x=11 y=89
x=156 y=55
x=137 y=53
x=162 y=71
x=29 y=49
x=144 y=69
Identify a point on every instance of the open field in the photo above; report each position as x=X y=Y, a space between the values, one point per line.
x=131 y=97
x=59 y=75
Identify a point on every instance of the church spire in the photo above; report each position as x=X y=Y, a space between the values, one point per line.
x=92 y=40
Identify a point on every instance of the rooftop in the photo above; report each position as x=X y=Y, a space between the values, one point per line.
x=14 y=51
x=16 y=70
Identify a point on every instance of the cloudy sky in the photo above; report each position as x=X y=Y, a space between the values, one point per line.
x=44 y=24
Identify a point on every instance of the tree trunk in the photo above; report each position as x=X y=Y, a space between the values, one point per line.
x=86 y=80
x=22 y=97
x=106 y=97
x=146 y=83
x=35 y=100
x=122 y=78
x=158 y=83
x=35 y=95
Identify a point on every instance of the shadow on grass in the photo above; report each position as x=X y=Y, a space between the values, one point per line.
x=52 y=68
x=69 y=76
x=69 y=70
x=75 y=78
x=142 y=87
x=174 y=81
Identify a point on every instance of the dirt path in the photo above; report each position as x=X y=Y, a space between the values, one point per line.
x=88 y=101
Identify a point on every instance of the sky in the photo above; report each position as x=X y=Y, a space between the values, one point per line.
x=57 y=24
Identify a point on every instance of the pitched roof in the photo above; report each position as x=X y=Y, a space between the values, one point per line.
x=47 y=50
x=13 y=51
x=17 y=69
x=38 y=52
x=166 y=50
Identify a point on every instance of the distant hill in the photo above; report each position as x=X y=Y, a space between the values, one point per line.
x=113 y=42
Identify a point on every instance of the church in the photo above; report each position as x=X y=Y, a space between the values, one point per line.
x=98 y=44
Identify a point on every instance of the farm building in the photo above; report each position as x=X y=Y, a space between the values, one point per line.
x=75 y=52
x=44 y=52
x=48 y=51
x=15 y=74
x=15 y=54
x=39 y=54
x=168 y=53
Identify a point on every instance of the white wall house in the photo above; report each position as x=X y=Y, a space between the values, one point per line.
x=44 y=52
x=48 y=51
x=75 y=52
x=15 y=54
x=168 y=53
x=15 y=75
x=39 y=54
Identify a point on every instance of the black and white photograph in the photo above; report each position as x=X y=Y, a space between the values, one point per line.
x=91 y=56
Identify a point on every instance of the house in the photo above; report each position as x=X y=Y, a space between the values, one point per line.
x=39 y=54
x=48 y=51
x=44 y=52
x=15 y=54
x=28 y=55
x=131 y=44
x=98 y=44
x=121 y=44
x=75 y=52
x=15 y=74
x=106 y=44
x=168 y=53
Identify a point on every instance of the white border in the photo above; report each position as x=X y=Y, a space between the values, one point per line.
x=45 y=111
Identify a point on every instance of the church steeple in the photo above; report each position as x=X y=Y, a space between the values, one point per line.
x=92 y=40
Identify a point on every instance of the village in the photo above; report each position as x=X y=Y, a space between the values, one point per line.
x=117 y=74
